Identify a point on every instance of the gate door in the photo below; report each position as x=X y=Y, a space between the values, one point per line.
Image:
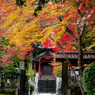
x=47 y=69
x=46 y=86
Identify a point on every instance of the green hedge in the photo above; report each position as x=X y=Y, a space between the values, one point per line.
x=9 y=92
x=5 y=94
x=89 y=79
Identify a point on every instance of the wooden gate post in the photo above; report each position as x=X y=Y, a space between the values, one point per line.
x=64 y=78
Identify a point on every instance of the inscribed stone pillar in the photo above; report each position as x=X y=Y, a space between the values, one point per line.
x=65 y=78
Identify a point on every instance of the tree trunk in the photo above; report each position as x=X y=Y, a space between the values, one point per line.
x=31 y=59
x=80 y=57
x=80 y=60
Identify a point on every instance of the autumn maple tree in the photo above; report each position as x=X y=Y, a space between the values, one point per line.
x=61 y=24
x=74 y=17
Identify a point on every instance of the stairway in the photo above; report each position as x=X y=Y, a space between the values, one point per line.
x=47 y=78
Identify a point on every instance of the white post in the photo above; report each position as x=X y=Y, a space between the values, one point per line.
x=29 y=92
x=21 y=65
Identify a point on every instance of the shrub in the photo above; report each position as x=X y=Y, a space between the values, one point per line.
x=32 y=87
x=89 y=79
x=10 y=92
x=0 y=90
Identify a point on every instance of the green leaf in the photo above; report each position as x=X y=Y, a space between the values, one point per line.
x=8 y=0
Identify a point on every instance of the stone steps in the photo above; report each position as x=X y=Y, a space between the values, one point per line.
x=47 y=78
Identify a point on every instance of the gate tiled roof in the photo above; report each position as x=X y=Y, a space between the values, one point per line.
x=74 y=55
x=43 y=54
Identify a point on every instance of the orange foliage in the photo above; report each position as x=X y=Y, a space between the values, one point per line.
x=22 y=28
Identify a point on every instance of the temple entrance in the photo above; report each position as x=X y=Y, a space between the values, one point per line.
x=46 y=83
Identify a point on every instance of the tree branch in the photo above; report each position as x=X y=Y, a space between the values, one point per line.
x=80 y=13
x=71 y=33
x=81 y=34
x=61 y=46
x=76 y=26
x=80 y=84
